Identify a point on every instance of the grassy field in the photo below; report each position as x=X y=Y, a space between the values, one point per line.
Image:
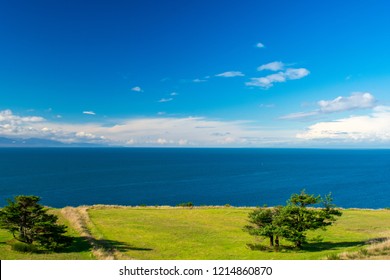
x=206 y=233
x=216 y=233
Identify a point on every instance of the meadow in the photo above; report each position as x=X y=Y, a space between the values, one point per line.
x=204 y=233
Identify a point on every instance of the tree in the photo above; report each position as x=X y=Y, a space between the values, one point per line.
x=262 y=224
x=293 y=220
x=29 y=222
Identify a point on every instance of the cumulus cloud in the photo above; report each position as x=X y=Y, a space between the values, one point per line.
x=137 y=89
x=12 y=125
x=260 y=45
x=280 y=77
x=368 y=128
x=8 y=116
x=272 y=66
x=89 y=113
x=357 y=100
x=230 y=74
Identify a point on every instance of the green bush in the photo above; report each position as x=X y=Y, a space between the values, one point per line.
x=24 y=247
x=186 y=204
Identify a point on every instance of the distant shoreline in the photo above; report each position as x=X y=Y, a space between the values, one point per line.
x=102 y=206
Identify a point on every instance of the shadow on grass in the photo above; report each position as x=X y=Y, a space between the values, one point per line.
x=79 y=245
x=324 y=246
x=121 y=246
x=83 y=244
x=309 y=247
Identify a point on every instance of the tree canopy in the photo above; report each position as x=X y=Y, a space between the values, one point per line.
x=29 y=222
x=293 y=220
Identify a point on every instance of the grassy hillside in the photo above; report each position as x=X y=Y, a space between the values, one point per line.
x=216 y=233
x=105 y=232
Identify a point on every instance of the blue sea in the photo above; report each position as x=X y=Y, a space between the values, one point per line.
x=153 y=176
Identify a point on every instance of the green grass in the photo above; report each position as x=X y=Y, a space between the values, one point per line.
x=80 y=249
x=204 y=233
x=216 y=233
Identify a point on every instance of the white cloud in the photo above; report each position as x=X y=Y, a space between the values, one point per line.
x=299 y=115
x=230 y=74
x=162 y=141
x=280 y=77
x=89 y=113
x=86 y=135
x=199 y=81
x=163 y=100
x=7 y=115
x=260 y=45
x=155 y=131
x=12 y=125
x=296 y=73
x=272 y=66
x=136 y=89
x=369 y=128
x=357 y=100
x=183 y=142
x=174 y=94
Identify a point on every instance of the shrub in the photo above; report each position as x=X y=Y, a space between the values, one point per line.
x=186 y=204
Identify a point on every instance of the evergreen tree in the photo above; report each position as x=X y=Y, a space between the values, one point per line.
x=299 y=216
x=293 y=220
x=262 y=224
x=29 y=222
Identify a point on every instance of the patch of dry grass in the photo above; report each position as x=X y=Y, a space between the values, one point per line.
x=379 y=250
x=80 y=221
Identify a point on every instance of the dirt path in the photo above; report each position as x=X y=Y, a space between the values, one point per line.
x=80 y=221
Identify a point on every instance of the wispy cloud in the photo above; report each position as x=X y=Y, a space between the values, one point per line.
x=280 y=77
x=163 y=100
x=230 y=74
x=199 y=80
x=367 y=128
x=267 y=105
x=260 y=45
x=137 y=89
x=174 y=93
x=357 y=100
x=272 y=66
x=89 y=113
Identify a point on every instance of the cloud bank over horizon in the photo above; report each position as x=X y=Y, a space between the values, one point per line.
x=157 y=131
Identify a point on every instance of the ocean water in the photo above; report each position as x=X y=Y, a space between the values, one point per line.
x=152 y=176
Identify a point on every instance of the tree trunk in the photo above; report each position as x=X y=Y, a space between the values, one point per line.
x=271 y=241
x=277 y=241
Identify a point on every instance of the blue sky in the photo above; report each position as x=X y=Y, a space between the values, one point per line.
x=196 y=73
